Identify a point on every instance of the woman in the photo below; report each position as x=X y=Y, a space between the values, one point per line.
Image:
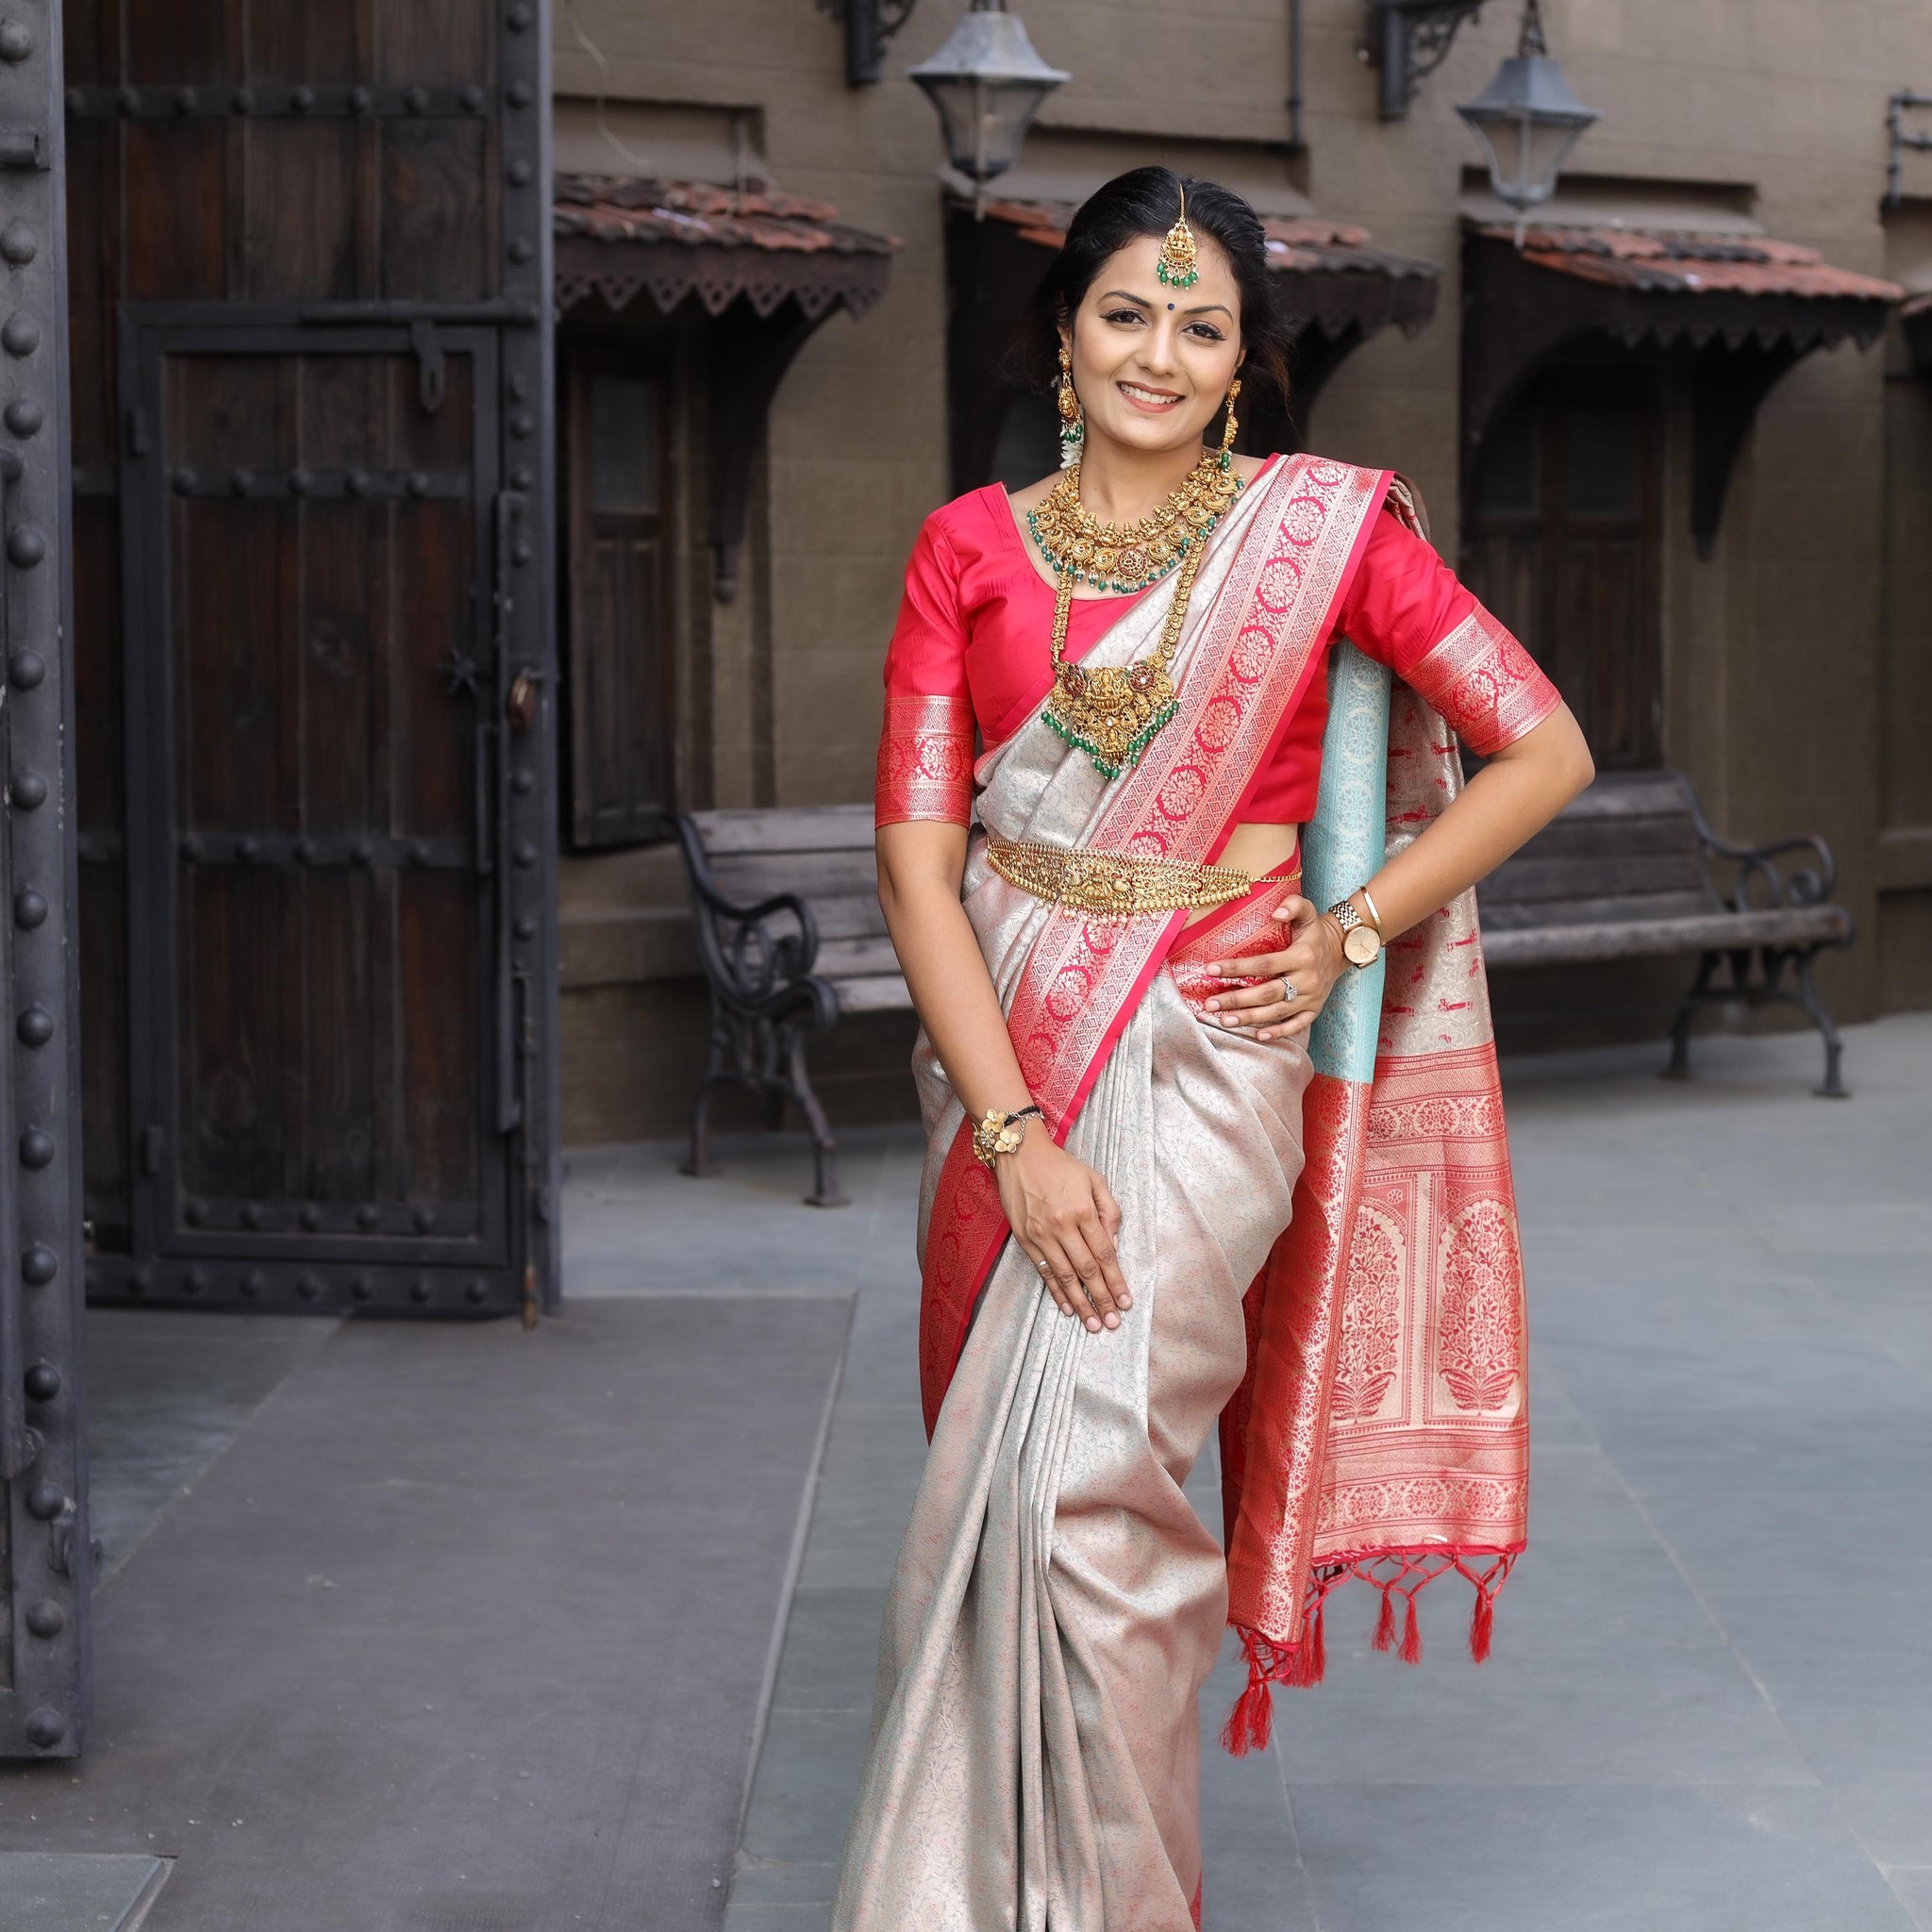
x=1117 y=981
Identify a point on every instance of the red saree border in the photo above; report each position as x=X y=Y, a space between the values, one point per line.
x=1231 y=713
x=1317 y=661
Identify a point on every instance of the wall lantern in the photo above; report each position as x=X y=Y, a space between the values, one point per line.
x=1528 y=121
x=987 y=83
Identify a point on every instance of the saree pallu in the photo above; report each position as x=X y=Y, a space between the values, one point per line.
x=1058 y=1603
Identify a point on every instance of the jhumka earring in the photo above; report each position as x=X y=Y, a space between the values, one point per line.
x=1177 y=267
x=1072 y=418
x=1231 y=427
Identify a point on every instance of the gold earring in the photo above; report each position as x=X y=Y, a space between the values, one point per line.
x=1231 y=426
x=1072 y=418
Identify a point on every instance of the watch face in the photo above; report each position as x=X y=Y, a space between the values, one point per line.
x=1361 y=945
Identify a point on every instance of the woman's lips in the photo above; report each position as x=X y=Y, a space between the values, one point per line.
x=1152 y=402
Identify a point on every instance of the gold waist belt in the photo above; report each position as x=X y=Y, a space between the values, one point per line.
x=1114 y=884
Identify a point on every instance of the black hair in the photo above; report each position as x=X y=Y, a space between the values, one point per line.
x=1147 y=201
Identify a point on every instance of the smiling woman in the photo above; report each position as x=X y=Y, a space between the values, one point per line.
x=1143 y=645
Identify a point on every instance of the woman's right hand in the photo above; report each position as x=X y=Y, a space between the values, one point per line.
x=1066 y=1218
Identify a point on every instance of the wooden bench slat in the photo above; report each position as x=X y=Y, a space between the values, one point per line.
x=849 y=916
x=856 y=958
x=1603 y=876
x=1663 y=833
x=1662 y=938
x=1631 y=795
x=885 y=993
x=795 y=829
x=1516 y=917
x=745 y=878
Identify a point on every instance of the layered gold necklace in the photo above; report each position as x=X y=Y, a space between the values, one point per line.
x=1113 y=713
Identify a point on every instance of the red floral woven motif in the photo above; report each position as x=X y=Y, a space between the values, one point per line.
x=926 y=761
x=1481 y=1306
x=1371 y=1319
x=1485 y=684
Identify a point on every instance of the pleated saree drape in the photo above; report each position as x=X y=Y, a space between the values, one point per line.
x=1058 y=1603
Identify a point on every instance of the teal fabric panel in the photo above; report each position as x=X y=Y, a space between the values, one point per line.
x=1342 y=848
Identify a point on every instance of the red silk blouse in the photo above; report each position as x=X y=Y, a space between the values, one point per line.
x=971 y=645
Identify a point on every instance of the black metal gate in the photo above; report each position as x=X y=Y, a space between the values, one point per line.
x=319 y=337
x=45 y=1555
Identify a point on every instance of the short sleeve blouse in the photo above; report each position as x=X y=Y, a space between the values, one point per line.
x=971 y=650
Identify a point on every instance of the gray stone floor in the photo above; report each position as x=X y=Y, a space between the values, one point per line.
x=1710 y=1702
x=427 y=1628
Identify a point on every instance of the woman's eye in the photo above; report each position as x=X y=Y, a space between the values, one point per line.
x=1206 y=331
x=1121 y=315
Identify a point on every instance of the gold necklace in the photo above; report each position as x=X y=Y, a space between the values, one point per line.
x=1113 y=713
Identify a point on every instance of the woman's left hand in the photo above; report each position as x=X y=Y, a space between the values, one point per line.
x=1294 y=984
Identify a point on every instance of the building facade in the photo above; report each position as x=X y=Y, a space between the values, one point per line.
x=1681 y=441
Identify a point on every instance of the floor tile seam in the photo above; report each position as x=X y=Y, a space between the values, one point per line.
x=794 y=1567
x=1294 y=1833
x=1743 y=1663
x=183 y=1491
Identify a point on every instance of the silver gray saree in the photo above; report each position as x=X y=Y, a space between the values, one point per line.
x=1058 y=1603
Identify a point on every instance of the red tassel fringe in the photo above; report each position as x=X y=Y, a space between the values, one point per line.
x=1304 y=1662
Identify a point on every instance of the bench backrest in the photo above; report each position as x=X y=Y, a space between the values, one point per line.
x=1627 y=849
x=823 y=853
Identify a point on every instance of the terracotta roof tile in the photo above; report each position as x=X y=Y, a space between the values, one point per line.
x=676 y=237
x=692 y=213
x=1692 y=264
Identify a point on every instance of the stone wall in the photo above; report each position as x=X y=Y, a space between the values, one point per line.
x=1796 y=659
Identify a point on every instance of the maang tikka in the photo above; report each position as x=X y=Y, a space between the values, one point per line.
x=1177 y=267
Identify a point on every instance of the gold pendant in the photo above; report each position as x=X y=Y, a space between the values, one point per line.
x=1110 y=712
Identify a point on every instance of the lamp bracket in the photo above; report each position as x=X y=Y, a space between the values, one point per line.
x=1903 y=140
x=868 y=24
x=1408 y=41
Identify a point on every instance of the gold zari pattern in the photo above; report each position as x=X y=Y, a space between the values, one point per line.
x=1113 y=885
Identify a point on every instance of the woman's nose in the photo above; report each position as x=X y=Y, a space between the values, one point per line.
x=1161 y=350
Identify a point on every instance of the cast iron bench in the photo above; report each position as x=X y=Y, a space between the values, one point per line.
x=1631 y=870
x=790 y=928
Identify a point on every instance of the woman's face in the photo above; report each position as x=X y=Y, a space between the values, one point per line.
x=1151 y=364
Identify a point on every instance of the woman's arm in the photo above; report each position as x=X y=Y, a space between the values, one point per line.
x=1518 y=792
x=1061 y=1211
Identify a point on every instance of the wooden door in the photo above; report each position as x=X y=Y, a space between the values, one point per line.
x=318 y=1043
x=312 y=336
x=1562 y=543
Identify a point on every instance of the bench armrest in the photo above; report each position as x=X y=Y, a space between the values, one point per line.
x=1759 y=871
x=752 y=965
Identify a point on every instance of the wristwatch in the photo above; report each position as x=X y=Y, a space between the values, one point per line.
x=1361 y=944
x=1001 y=1133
